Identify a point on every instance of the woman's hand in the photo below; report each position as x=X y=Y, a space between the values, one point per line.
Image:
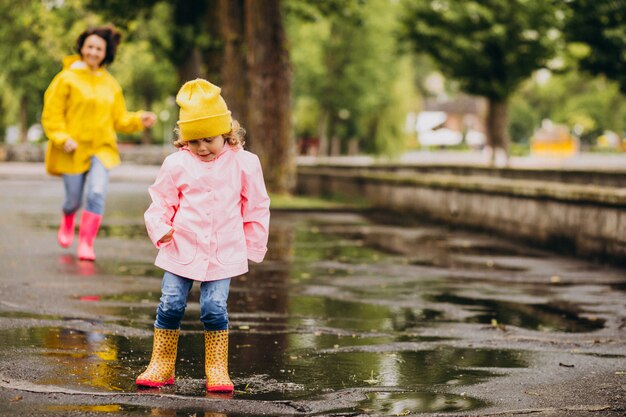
x=69 y=145
x=167 y=237
x=148 y=118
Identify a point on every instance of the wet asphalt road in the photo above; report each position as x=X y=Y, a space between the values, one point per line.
x=351 y=314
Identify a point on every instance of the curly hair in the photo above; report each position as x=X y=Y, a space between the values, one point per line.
x=236 y=136
x=109 y=33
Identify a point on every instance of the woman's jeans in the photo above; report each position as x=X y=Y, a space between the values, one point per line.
x=97 y=179
x=174 y=292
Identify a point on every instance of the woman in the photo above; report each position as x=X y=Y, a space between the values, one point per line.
x=83 y=108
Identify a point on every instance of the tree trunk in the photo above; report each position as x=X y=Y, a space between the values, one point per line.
x=190 y=19
x=322 y=129
x=23 y=118
x=497 y=123
x=235 y=88
x=146 y=135
x=269 y=106
x=191 y=67
x=214 y=53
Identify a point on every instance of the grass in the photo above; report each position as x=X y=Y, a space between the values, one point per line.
x=295 y=202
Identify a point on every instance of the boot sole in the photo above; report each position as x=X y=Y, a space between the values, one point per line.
x=220 y=388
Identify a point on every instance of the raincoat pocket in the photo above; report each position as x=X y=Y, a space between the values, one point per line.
x=183 y=246
x=231 y=247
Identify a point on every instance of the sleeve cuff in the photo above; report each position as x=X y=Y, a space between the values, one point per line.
x=159 y=233
x=256 y=255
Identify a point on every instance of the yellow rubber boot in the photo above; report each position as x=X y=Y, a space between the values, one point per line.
x=216 y=361
x=160 y=371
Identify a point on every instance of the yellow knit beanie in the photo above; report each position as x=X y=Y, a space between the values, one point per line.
x=203 y=112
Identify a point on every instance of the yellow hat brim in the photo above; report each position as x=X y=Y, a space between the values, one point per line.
x=205 y=127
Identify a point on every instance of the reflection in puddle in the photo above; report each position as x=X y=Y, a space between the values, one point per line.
x=559 y=317
x=125 y=268
x=466 y=265
x=97 y=409
x=405 y=403
x=263 y=366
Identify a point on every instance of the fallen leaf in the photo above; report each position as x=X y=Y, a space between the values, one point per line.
x=17 y=398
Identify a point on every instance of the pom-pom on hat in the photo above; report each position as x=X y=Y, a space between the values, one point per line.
x=203 y=111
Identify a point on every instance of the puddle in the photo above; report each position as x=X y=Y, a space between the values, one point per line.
x=323 y=314
x=102 y=409
x=312 y=245
x=465 y=265
x=551 y=317
x=263 y=366
x=111 y=267
x=274 y=313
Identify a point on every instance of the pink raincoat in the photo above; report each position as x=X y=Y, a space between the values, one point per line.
x=219 y=211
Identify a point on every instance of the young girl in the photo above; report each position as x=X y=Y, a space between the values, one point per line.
x=209 y=216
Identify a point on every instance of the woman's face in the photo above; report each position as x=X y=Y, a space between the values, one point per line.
x=93 y=51
x=208 y=148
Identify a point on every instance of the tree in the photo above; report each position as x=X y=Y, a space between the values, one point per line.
x=347 y=62
x=601 y=25
x=269 y=105
x=192 y=32
x=234 y=66
x=589 y=104
x=143 y=70
x=27 y=65
x=488 y=46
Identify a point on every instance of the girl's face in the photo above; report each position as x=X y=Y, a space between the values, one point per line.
x=93 y=51
x=208 y=148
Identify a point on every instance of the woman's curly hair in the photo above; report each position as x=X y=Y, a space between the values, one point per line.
x=111 y=36
x=236 y=136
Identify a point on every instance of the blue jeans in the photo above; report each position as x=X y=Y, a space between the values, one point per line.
x=97 y=179
x=174 y=292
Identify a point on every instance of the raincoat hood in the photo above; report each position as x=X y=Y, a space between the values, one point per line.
x=69 y=60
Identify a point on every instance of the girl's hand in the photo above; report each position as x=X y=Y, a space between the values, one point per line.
x=167 y=237
x=69 y=145
x=148 y=118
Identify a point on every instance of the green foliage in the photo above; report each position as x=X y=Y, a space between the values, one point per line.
x=346 y=61
x=144 y=71
x=489 y=46
x=120 y=12
x=25 y=53
x=601 y=26
x=588 y=104
x=523 y=119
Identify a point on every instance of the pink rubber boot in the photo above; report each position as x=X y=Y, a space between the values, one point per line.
x=89 y=225
x=65 y=237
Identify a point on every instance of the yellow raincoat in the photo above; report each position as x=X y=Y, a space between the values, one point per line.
x=87 y=106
